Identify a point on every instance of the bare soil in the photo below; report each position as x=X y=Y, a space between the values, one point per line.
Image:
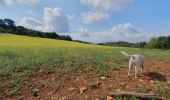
x=44 y=85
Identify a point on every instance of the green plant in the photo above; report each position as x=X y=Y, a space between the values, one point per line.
x=93 y=85
x=45 y=85
x=126 y=98
x=142 y=89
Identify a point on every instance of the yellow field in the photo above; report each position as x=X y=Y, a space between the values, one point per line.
x=9 y=40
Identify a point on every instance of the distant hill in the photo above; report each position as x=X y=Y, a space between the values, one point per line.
x=124 y=44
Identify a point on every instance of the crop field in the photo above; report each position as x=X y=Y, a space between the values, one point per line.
x=61 y=68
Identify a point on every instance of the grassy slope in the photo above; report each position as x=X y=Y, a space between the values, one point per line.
x=28 y=53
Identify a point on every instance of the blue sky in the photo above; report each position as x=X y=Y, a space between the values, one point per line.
x=92 y=20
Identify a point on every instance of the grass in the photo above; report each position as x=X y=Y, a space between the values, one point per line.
x=30 y=53
x=142 y=89
x=163 y=91
x=126 y=98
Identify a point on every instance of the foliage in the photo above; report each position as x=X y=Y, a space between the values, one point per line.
x=162 y=42
x=22 y=55
x=8 y=26
x=124 y=44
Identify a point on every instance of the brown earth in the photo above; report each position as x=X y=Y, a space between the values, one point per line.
x=66 y=86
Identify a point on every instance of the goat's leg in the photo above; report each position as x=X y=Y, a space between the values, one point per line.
x=137 y=71
x=130 y=65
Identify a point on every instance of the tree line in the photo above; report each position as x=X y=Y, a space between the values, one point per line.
x=9 y=26
x=125 y=44
x=162 y=42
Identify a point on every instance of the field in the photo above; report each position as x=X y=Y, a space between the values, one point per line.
x=38 y=68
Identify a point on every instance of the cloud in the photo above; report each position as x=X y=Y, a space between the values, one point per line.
x=30 y=13
x=83 y=32
x=31 y=23
x=8 y=2
x=102 y=8
x=53 y=20
x=24 y=2
x=121 y=32
x=70 y=17
x=90 y=17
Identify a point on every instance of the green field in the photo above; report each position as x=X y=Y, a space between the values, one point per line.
x=30 y=53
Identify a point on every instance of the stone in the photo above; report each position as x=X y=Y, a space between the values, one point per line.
x=71 y=89
x=35 y=92
x=82 y=89
x=109 y=98
x=102 y=78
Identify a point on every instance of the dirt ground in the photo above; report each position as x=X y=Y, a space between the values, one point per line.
x=53 y=86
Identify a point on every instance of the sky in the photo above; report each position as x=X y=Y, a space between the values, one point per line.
x=92 y=20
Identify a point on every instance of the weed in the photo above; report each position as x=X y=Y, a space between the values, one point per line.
x=45 y=85
x=102 y=70
x=126 y=98
x=30 y=53
x=163 y=91
x=142 y=89
x=93 y=85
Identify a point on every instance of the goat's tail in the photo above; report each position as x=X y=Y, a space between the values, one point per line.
x=127 y=55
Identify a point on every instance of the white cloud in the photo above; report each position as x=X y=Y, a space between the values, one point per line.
x=25 y=2
x=52 y=20
x=82 y=32
x=70 y=17
x=55 y=20
x=8 y=2
x=30 y=23
x=121 y=32
x=102 y=8
x=30 y=13
x=106 y=5
x=90 y=17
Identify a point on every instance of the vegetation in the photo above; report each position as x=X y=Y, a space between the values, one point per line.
x=8 y=26
x=125 y=44
x=164 y=91
x=162 y=42
x=20 y=56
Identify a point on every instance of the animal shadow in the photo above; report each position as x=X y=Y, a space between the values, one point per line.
x=156 y=76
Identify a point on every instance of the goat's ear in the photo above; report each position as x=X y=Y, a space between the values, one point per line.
x=133 y=57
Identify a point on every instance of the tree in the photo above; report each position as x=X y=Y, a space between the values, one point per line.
x=1 y=22
x=152 y=43
x=9 y=22
x=8 y=26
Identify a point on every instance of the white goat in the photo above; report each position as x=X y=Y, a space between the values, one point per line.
x=138 y=61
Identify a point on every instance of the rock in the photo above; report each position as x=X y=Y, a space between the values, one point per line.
x=35 y=92
x=151 y=92
x=109 y=98
x=98 y=83
x=21 y=98
x=53 y=78
x=118 y=90
x=152 y=81
x=82 y=89
x=127 y=86
x=71 y=89
x=38 y=97
x=63 y=98
x=141 y=80
x=97 y=99
x=102 y=78
x=40 y=71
